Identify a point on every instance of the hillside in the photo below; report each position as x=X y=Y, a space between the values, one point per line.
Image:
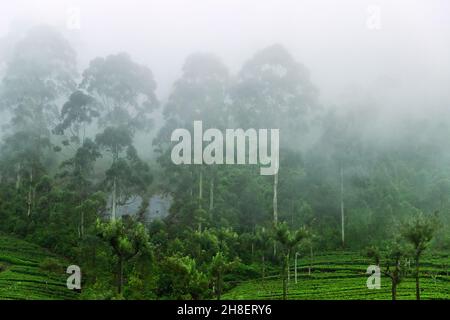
x=342 y=276
x=30 y=272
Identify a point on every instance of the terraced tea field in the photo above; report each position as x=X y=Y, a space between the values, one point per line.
x=341 y=276
x=23 y=275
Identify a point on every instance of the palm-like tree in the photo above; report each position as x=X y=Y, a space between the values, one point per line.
x=288 y=240
x=419 y=231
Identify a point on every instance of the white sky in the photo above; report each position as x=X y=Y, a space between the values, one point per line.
x=409 y=54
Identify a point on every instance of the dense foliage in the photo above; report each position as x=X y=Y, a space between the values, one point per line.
x=69 y=158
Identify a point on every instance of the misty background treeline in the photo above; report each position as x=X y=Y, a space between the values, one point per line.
x=78 y=144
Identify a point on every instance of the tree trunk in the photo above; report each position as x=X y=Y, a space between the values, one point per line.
x=275 y=208
x=311 y=259
x=114 y=200
x=114 y=191
x=263 y=267
x=288 y=271
x=200 y=188
x=120 y=280
x=394 y=289
x=18 y=177
x=94 y=260
x=81 y=224
x=275 y=199
x=30 y=193
x=417 y=279
x=295 y=267
x=285 y=266
x=211 y=196
x=191 y=191
x=219 y=286
x=342 y=208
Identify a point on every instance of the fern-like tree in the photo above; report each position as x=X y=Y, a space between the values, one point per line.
x=219 y=266
x=127 y=239
x=288 y=240
x=391 y=262
x=262 y=239
x=419 y=232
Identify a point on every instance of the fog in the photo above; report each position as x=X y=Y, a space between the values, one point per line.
x=135 y=139
x=404 y=62
x=387 y=61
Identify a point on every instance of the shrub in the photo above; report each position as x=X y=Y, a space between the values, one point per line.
x=51 y=265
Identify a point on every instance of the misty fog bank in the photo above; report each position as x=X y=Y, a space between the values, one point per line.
x=403 y=65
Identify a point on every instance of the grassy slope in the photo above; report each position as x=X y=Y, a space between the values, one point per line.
x=335 y=276
x=342 y=276
x=21 y=276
